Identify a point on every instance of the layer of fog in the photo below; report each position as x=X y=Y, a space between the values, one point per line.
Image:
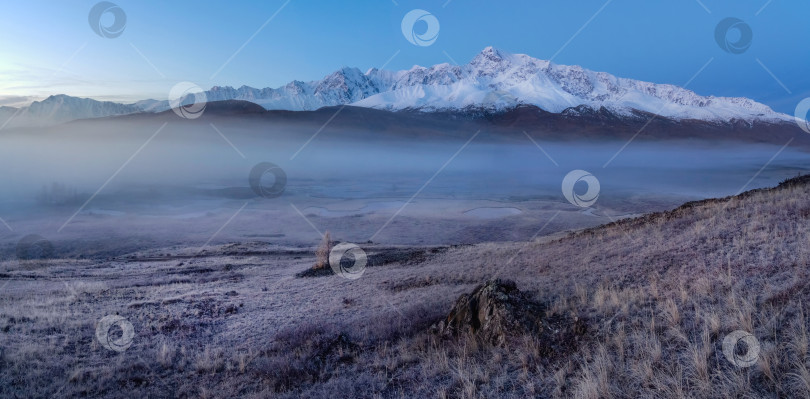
x=179 y=171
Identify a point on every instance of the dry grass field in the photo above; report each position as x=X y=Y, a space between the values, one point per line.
x=635 y=309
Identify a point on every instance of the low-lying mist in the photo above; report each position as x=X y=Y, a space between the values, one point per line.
x=184 y=180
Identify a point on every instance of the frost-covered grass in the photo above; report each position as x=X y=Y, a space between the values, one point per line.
x=657 y=295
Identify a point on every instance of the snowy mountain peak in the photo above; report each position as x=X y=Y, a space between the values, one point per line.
x=490 y=55
x=493 y=81
x=62 y=108
x=496 y=80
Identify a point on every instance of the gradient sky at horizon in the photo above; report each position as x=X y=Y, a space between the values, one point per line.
x=49 y=48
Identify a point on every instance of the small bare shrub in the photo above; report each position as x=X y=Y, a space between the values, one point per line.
x=322 y=253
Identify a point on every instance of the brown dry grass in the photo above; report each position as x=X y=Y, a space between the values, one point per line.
x=657 y=295
x=322 y=252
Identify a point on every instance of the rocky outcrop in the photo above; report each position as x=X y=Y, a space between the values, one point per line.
x=493 y=311
x=497 y=311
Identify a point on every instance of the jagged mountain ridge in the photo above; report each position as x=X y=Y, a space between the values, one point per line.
x=63 y=108
x=493 y=81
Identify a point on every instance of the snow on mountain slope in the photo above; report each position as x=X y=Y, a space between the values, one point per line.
x=492 y=81
x=62 y=108
x=495 y=80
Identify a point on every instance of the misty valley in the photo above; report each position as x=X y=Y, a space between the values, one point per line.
x=349 y=182
x=455 y=200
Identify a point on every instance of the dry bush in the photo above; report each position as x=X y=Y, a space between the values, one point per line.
x=658 y=295
x=322 y=252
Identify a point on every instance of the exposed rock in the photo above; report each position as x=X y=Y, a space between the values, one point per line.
x=497 y=311
x=493 y=311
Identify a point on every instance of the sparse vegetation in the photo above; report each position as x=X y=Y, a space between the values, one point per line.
x=655 y=295
x=322 y=252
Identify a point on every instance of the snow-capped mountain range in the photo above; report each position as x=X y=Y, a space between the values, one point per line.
x=492 y=81
x=62 y=108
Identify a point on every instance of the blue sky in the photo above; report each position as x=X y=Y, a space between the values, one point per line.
x=48 y=47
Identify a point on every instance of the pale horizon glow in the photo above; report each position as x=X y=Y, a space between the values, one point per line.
x=270 y=43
